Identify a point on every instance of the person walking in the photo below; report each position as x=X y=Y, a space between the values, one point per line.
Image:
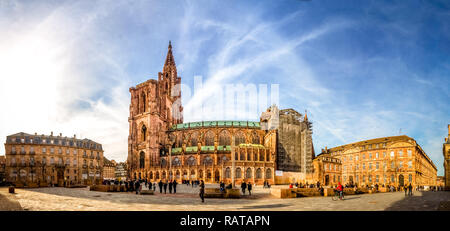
x=410 y=189
x=406 y=190
x=170 y=186
x=243 y=187
x=137 y=186
x=165 y=187
x=202 y=191
x=175 y=186
x=249 y=187
x=154 y=186
x=160 y=184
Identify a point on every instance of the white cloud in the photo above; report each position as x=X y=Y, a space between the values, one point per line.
x=48 y=85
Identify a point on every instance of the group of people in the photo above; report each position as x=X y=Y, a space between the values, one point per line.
x=247 y=186
x=163 y=185
x=193 y=183
x=301 y=185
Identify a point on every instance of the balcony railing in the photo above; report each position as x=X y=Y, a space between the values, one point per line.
x=23 y=152
x=32 y=152
x=84 y=165
x=13 y=152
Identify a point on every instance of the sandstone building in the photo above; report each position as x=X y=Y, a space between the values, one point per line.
x=109 y=169
x=395 y=160
x=446 y=153
x=42 y=160
x=161 y=146
x=327 y=169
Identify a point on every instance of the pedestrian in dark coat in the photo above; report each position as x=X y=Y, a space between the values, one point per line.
x=137 y=186
x=170 y=186
x=154 y=186
x=410 y=189
x=243 y=187
x=202 y=191
x=249 y=187
x=406 y=190
x=175 y=186
x=160 y=184
x=165 y=187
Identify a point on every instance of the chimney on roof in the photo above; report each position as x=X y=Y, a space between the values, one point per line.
x=448 y=129
x=326 y=150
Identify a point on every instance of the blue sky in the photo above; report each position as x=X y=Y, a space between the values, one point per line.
x=361 y=69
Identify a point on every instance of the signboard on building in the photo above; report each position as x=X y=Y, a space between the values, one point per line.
x=278 y=173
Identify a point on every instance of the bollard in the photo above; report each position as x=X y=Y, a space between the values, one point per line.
x=11 y=189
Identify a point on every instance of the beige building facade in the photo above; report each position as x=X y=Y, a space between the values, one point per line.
x=395 y=160
x=109 y=169
x=41 y=160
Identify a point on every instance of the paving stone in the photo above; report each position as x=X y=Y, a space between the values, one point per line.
x=81 y=199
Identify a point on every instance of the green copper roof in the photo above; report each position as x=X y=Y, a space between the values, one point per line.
x=222 y=123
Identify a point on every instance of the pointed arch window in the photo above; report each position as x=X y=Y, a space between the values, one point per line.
x=194 y=140
x=142 y=160
x=255 y=138
x=144 y=132
x=239 y=138
x=209 y=138
x=144 y=102
x=224 y=138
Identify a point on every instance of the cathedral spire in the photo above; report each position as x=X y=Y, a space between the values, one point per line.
x=170 y=61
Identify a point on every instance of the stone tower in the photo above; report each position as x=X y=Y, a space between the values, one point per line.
x=294 y=146
x=155 y=106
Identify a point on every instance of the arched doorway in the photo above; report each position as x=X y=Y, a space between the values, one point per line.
x=217 y=175
x=193 y=175
x=200 y=174
x=327 y=180
x=208 y=175
x=401 y=180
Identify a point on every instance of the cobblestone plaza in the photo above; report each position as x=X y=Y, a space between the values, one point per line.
x=186 y=199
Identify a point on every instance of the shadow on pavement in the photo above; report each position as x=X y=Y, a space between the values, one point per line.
x=351 y=198
x=423 y=201
x=131 y=197
x=9 y=203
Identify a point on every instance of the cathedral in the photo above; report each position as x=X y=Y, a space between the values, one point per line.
x=162 y=147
